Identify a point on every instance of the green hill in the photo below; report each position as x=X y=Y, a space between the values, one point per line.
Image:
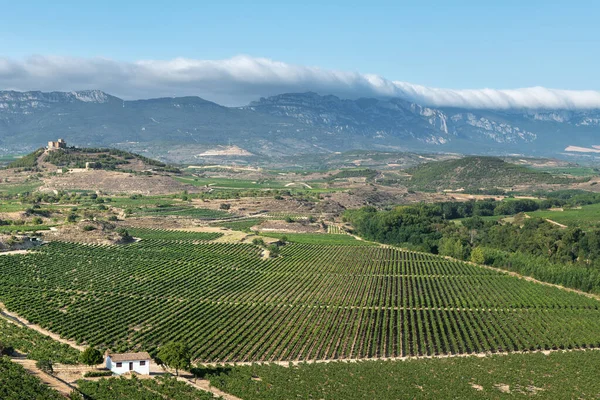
x=95 y=158
x=477 y=173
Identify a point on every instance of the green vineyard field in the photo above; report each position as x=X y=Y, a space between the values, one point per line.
x=16 y=384
x=165 y=234
x=313 y=302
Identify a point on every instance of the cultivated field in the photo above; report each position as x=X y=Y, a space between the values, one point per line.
x=344 y=300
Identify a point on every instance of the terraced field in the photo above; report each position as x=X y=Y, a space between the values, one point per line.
x=315 y=301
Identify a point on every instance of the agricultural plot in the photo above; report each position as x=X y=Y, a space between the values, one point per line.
x=226 y=183
x=166 y=234
x=314 y=301
x=241 y=224
x=529 y=375
x=335 y=230
x=162 y=388
x=285 y=215
x=584 y=217
x=36 y=345
x=16 y=384
x=182 y=211
x=319 y=239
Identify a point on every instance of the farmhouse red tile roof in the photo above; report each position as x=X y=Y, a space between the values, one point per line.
x=130 y=356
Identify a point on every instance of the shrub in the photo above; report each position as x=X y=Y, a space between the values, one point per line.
x=91 y=356
x=6 y=350
x=96 y=374
x=45 y=366
x=89 y=228
x=273 y=250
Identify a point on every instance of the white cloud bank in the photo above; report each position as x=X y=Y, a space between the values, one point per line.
x=241 y=79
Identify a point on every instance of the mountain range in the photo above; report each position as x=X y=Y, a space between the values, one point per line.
x=291 y=123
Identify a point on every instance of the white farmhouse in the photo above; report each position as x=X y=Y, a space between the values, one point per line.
x=129 y=362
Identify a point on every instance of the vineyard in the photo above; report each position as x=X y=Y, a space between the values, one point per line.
x=181 y=211
x=36 y=345
x=511 y=376
x=314 y=301
x=16 y=384
x=165 y=234
x=162 y=388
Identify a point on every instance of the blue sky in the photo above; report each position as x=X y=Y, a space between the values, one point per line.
x=449 y=44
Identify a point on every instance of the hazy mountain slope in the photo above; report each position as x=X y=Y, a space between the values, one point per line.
x=286 y=124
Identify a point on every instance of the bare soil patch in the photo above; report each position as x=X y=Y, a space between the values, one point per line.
x=249 y=206
x=101 y=234
x=116 y=182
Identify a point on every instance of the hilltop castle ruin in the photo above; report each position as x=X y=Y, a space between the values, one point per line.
x=59 y=144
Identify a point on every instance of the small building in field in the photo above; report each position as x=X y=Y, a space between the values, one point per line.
x=129 y=362
x=59 y=144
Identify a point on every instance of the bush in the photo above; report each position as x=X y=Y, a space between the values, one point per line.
x=225 y=206
x=6 y=350
x=289 y=219
x=125 y=236
x=96 y=374
x=89 y=228
x=273 y=250
x=45 y=366
x=91 y=356
x=258 y=242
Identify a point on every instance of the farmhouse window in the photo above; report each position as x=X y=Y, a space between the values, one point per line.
x=142 y=363
x=119 y=365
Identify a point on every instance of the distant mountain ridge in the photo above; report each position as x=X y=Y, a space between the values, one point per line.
x=292 y=123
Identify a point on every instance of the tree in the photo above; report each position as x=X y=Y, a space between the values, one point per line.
x=45 y=366
x=477 y=256
x=273 y=250
x=175 y=355
x=6 y=350
x=125 y=236
x=91 y=356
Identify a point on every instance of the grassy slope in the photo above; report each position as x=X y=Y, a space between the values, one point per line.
x=584 y=217
x=475 y=173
